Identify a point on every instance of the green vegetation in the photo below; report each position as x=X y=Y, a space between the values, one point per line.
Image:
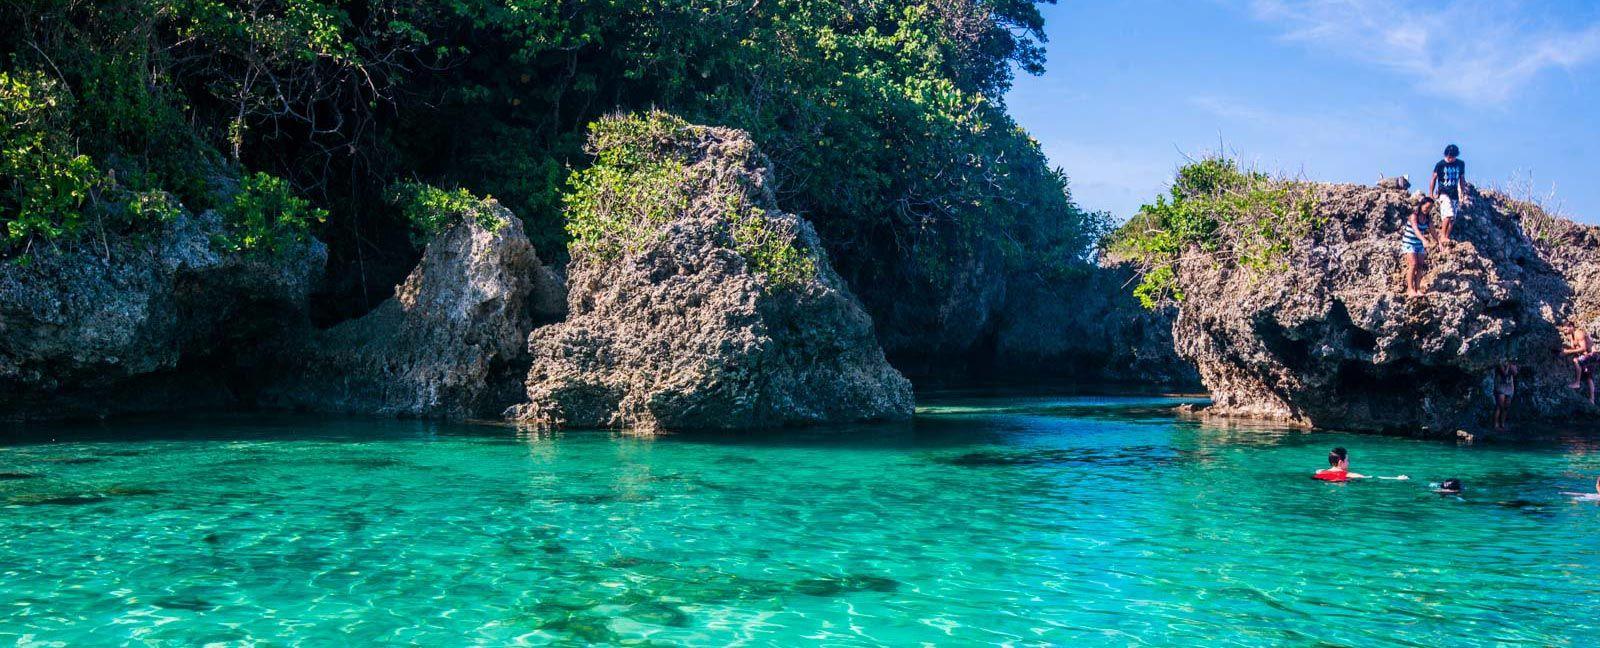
x=43 y=179
x=641 y=181
x=265 y=216
x=638 y=183
x=1232 y=216
x=430 y=210
x=885 y=120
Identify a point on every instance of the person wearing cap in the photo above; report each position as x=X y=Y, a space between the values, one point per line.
x=1449 y=187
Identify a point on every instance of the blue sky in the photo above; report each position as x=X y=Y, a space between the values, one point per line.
x=1335 y=90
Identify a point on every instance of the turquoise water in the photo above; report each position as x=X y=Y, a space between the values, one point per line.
x=1083 y=521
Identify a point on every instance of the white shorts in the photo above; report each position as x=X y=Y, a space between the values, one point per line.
x=1447 y=207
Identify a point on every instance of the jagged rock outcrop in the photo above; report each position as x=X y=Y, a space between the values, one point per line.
x=1331 y=341
x=709 y=308
x=142 y=323
x=1085 y=329
x=452 y=341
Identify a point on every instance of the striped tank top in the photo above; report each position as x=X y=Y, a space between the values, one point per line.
x=1412 y=236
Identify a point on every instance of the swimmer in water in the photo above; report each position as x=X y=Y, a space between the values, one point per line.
x=1450 y=486
x=1587 y=497
x=1338 y=469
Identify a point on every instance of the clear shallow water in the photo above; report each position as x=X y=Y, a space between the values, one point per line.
x=1085 y=521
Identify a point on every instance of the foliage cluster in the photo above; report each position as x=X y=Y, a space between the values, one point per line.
x=265 y=215
x=1233 y=217
x=642 y=180
x=885 y=119
x=43 y=179
x=431 y=210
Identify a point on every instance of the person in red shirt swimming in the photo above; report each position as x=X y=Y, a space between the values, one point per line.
x=1338 y=469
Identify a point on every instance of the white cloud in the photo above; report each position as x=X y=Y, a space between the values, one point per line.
x=1470 y=50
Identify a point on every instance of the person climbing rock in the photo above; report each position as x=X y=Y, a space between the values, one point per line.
x=1413 y=246
x=1448 y=186
x=1505 y=387
x=1581 y=347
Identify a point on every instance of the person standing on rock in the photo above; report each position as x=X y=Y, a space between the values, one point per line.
x=1448 y=186
x=1505 y=387
x=1581 y=347
x=1413 y=246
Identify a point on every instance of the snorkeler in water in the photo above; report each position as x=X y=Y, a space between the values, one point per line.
x=1450 y=486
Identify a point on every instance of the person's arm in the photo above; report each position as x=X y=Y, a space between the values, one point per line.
x=1416 y=226
x=1433 y=183
x=1461 y=185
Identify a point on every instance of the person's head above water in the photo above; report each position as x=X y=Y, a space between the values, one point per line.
x=1451 y=485
x=1451 y=152
x=1338 y=458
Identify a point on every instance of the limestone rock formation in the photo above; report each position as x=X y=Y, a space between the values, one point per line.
x=141 y=324
x=450 y=343
x=708 y=308
x=1332 y=342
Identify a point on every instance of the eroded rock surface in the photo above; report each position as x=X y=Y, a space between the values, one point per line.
x=683 y=330
x=142 y=324
x=449 y=344
x=1331 y=341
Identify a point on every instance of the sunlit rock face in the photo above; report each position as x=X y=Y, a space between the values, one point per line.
x=449 y=344
x=1331 y=340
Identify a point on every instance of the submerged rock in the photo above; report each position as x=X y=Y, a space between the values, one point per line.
x=697 y=303
x=149 y=323
x=1331 y=341
x=450 y=343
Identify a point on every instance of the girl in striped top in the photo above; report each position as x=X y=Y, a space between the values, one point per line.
x=1413 y=240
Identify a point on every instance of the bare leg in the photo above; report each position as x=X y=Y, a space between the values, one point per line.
x=1577 y=374
x=1411 y=276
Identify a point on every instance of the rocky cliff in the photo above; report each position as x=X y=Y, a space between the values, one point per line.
x=450 y=343
x=1324 y=336
x=695 y=302
x=143 y=323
